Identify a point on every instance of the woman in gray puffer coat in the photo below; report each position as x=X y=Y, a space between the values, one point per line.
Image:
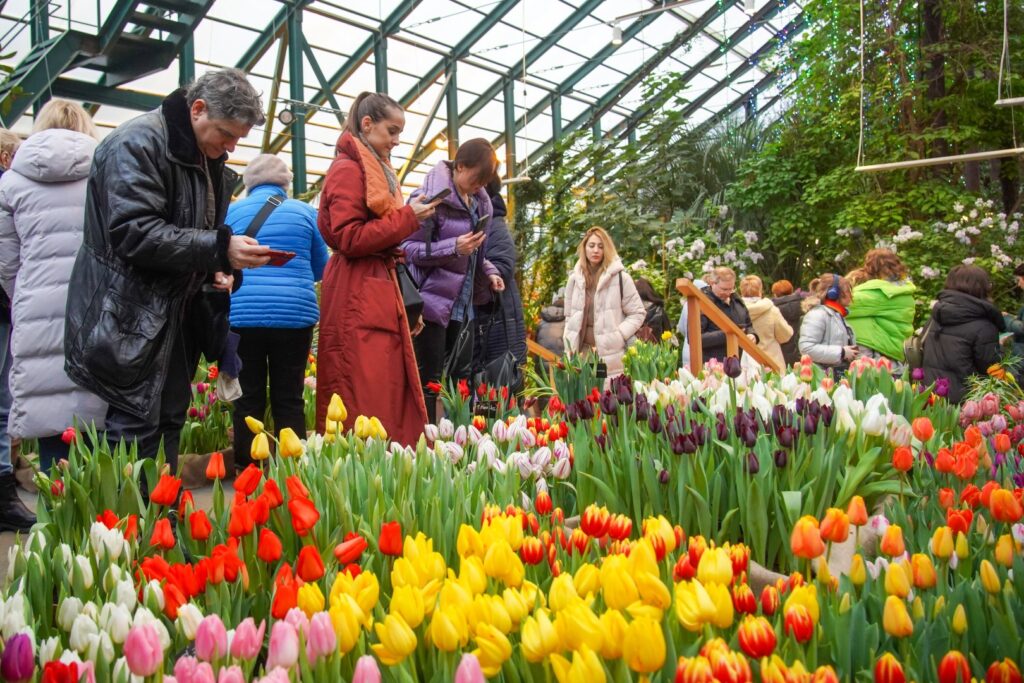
x=824 y=334
x=42 y=202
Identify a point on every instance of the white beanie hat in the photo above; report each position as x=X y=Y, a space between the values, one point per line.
x=267 y=169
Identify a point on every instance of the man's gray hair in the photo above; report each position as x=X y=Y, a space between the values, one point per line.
x=228 y=94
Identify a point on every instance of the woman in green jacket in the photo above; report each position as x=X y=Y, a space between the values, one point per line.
x=882 y=313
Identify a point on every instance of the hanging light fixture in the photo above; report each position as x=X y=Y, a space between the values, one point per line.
x=748 y=7
x=616 y=34
x=286 y=117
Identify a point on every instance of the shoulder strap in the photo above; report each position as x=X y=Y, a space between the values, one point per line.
x=273 y=201
x=620 y=285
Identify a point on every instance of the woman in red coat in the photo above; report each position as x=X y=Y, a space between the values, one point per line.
x=365 y=352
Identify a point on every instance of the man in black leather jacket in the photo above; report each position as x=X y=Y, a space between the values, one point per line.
x=154 y=236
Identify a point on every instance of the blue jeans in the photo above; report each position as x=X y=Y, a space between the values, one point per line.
x=5 y=397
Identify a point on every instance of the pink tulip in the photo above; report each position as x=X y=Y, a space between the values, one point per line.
x=142 y=650
x=211 y=639
x=191 y=670
x=321 y=640
x=469 y=670
x=298 y=619
x=366 y=671
x=284 y=646
x=231 y=674
x=278 y=675
x=248 y=640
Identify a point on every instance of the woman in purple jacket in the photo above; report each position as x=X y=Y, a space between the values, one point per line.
x=445 y=260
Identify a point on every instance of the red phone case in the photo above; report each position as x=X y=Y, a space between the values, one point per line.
x=279 y=258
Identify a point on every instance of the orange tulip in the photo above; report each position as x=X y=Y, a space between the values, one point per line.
x=946 y=498
x=272 y=493
x=959 y=520
x=903 y=458
x=892 y=542
x=166 y=490
x=923 y=429
x=199 y=525
x=825 y=674
x=769 y=600
x=1001 y=442
x=286 y=592
x=973 y=436
x=1005 y=507
x=694 y=670
x=756 y=637
x=162 y=534
x=857 y=511
x=1003 y=672
x=309 y=565
x=241 y=522
x=798 y=623
x=889 y=670
x=215 y=468
x=954 y=668
x=542 y=503
x=806 y=540
x=304 y=515
x=269 y=547
x=923 y=571
x=835 y=527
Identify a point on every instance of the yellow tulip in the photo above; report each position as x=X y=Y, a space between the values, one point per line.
x=694 y=606
x=585 y=667
x=254 y=425
x=661 y=527
x=364 y=589
x=959 y=620
x=562 y=593
x=963 y=549
x=1005 y=550
x=347 y=618
x=845 y=603
x=644 y=645
x=538 y=637
x=472 y=574
x=895 y=619
x=923 y=571
x=940 y=604
x=469 y=542
x=806 y=595
x=989 y=577
x=310 y=599
x=377 y=429
x=493 y=649
x=614 y=626
x=408 y=601
x=642 y=558
x=397 y=640
x=858 y=573
x=617 y=585
x=498 y=615
x=577 y=626
x=653 y=591
x=336 y=409
x=260 y=448
x=714 y=567
x=515 y=605
x=917 y=608
x=722 y=599
x=639 y=610
x=942 y=543
x=587 y=580
x=362 y=427
x=288 y=441
x=533 y=596
x=896 y=582
x=448 y=630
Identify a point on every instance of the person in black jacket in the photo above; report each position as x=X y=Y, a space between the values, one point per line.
x=154 y=244
x=505 y=328
x=655 y=318
x=962 y=337
x=722 y=292
x=789 y=304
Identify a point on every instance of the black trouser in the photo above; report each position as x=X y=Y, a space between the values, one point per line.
x=433 y=346
x=168 y=417
x=52 y=449
x=283 y=353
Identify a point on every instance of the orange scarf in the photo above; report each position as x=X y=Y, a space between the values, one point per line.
x=379 y=198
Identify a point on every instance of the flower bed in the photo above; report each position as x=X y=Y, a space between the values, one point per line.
x=350 y=556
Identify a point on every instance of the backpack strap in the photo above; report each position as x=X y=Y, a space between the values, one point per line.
x=273 y=201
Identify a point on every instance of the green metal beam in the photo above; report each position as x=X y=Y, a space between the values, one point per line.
x=101 y=94
x=39 y=32
x=556 y=119
x=314 y=64
x=187 y=62
x=295 y=81
x=766 y=13
x=380 y=63
x=510 y=129
x=266 y=38
x=460 y=50
x=738 y=102
x=452 y=107
x=390 y=25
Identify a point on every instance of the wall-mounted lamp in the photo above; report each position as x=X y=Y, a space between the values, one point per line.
x=616 y=34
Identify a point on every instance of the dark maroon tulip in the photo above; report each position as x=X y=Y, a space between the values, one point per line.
x=624 y=393
x=601 y=440
x=700 y=434
x=663 y=476
x=641 y=407
x=781 y=458
x=586 y=409
x=731 y=366
x=609 y=404
x=572 y=413
x=800 y=405
x=654 y=422
x=810 y=424
x=814 y=408
x=786 y=436
x=697 y=405
x=17 y=663
x=689 y=444
x=753 y=464
x=670 y=412
x=748 y=435
x=826 y=415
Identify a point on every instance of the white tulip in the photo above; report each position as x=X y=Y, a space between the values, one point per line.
x=189 y=617
x=453 y=452
x=116 y=620
x=124 y=594
x=431 y=432
x=499 y=466
x=445 y=428
x=473 y=434
x=49 y=650
x=69 y=608
x=106 y=540
x=112 y=577
x=83 y=569
x=100 y=645
x=36 y=542
x=562 y=468
x=461 y=435
x=153 y=595
x=500 y=431
x=872 y=422
x=81 y=629
x=65 y=556
x=541 y=458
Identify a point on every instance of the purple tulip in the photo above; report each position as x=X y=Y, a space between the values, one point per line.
x=781 y=416
x=810 y=424
x=998 y=423
x=642 y=408
x=586 y=409
x=17 y=663
x=1018 y=480
x=800 y=405
x=670 y=412
x=781 y=458
x=700 y=434
x=572 y=413
x=748 y=435
x=917 y=374
x=942 y=387
x=928 y=458
x=664 y=476
x=624 y=393
x=654 y=422
x=609 y=404
x=786 y=436
x=602 y=441
x=827 y=412
x=721 y=430
x=731 y=366
x=753 y=464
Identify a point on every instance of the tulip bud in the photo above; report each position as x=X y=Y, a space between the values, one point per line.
x=1005 y=550
x=895 y=619
x=940 y=604
x=254 y=425
x=858 y=572
x=336 y=409
x=959 y=620
x=989 y=577
x=942 y=543
x=260 y=448
x=962 y=547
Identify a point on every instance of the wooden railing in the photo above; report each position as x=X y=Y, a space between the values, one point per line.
x=538 y=350
x=735 y=339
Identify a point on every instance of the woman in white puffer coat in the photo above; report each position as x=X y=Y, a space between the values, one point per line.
x=42 y=208
x=603 y=310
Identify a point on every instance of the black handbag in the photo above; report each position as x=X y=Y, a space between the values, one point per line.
x=503 y=371
x=410 y=294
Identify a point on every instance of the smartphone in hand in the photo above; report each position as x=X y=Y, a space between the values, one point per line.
x=279 y=258
x=481 y=224
x=441 y=194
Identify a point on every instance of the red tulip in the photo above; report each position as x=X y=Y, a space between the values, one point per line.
x=959 y=520
x=351 y=549
x=241 y=522
x=166 y=490
x=296 y=489
x=199 y=525
x=59 y=672
x=756 y=637
x=272 y=492
x=286 y=592
x=390 y=540
x=215 y=468
x=798 y=623
x=162 y=534
x=532 y=550
x=247 y=481
x=769 y=600
x=542 y=503
x=260 y=510
x=1003 y=672
x=923 y=429
x=743 y=600
x=309 y=565
x=304 y=515
x=889 y=670
x=954 y=668
x=903 y=458
x=269 y=547
x=946 y=498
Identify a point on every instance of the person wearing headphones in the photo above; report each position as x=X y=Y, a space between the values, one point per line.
x=824 y=334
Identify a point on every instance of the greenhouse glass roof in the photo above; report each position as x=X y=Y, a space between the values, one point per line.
x=565 y=64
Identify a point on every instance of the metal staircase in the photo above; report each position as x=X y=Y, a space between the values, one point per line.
x=137 y=38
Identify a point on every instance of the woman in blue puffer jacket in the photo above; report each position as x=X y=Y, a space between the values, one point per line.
x=275 y=309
